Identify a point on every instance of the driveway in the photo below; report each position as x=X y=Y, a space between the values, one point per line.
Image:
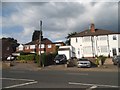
x=107 y=67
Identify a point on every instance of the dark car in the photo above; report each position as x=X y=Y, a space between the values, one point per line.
x=116 y=60
x=60 y=59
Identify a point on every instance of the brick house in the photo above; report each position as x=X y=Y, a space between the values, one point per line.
x=47 y=46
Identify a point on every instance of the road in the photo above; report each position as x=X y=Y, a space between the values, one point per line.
x=59 y=79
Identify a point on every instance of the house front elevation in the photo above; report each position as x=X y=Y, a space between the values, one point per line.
x=95 y=42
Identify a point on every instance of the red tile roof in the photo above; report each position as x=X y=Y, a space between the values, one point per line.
x=44 y=41
x=96 y=33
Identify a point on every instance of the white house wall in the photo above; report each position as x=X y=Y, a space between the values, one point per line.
x=77 y=45
x=98 y=45
x=114 y=44
x=20 y=47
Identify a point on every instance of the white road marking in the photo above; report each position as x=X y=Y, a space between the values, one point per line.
x=21 y=84
x=74 y=83
x=93 y=87
x=18 y=79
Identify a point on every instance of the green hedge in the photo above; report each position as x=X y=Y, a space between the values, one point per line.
x=26 y=57
x=47 y=59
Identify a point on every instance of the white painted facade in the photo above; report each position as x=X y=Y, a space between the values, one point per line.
x=20 y=47
x=89 y=46
x=69 y=51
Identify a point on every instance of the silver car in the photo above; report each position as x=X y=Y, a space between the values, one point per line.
x=83 y=62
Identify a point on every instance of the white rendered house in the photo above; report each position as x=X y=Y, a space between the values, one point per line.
x=95 y=42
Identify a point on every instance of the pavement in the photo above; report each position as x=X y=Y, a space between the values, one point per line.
x=107 y=67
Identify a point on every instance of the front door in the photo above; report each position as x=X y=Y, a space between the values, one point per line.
x=114 y=51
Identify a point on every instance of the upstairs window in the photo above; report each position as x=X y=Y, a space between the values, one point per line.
x=86 y=39
x=26 y=47
x=49 y=46
x=42 y=46
x=102 y=38
x=32 y=46
x=114 y=37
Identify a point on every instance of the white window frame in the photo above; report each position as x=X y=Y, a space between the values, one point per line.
x=104 y=49
x=102 y=38
x=32 y=46
x=42 y=46
x=86 y=39
x=49 y=46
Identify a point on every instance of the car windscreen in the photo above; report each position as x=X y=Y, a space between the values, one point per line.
x=83 y=60
x=118 y=57
x=59 y=57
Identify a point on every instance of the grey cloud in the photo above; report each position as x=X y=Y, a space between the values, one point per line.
x=63 y=18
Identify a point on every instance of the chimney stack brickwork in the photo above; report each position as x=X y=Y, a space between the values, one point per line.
x=92 y=29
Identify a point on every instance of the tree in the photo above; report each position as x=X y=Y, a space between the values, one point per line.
x=13 y=42
x=36 y=35
x=67 y=42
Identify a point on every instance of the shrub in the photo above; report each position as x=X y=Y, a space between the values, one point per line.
x=102 y=59
x=26 y=57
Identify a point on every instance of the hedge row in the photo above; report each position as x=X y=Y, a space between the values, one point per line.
x=46 y=59
x=26 y=57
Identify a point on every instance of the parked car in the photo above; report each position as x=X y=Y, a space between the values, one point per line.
x=116 y=60
x=10 y=58
x=60 y=59
x=83 y=62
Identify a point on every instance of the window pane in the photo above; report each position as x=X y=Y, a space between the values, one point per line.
x=49 y=46
x=114 y=38
x=87 y=50
x=104 y=49
x=86 y=39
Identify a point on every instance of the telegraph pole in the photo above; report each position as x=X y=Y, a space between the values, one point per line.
x=40 y=40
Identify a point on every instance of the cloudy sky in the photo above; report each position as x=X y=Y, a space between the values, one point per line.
x=20 y=19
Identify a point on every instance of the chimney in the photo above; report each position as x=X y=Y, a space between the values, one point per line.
x=92 y=28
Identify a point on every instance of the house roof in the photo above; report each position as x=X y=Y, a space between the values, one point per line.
x=59 y=43
x=44 y=41
x=96 y=33
x=62 y=49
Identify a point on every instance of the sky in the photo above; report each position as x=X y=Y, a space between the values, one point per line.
x=20 y=19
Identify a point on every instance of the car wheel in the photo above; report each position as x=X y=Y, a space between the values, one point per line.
x=114 y=63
